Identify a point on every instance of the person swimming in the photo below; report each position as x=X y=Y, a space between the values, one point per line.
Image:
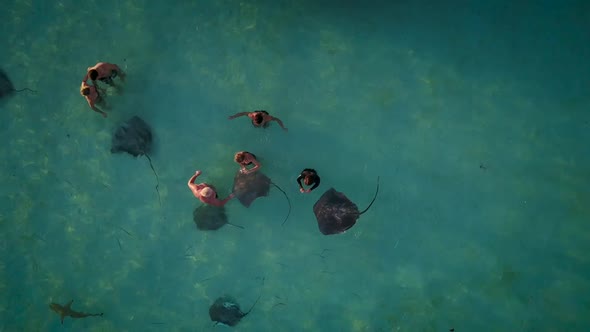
x=245 y=158
x=309 y=177
x=205 y=192
x=104 y=72
x=93 y=97
x=259 y=118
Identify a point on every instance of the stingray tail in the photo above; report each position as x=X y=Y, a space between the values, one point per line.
x=238 y=226
x=252 y=307
x=157 y=179
x=288 y=201
x=373 y=201
x=26 y=89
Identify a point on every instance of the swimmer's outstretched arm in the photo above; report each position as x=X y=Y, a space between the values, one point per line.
x=238 y=115
x=191 y=181
x=191 y=184
x=279 y=122
x=223 y=202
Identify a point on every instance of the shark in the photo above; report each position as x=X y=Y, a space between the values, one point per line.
x=66 y=310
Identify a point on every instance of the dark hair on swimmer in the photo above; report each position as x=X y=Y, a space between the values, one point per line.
x=258 y=118
x=93 y=74
x=86 y=91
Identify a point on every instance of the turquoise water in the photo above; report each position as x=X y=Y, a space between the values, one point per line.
x=474 y=115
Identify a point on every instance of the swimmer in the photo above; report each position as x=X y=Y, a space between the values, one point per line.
x=90 y=93
x=246 y=159
x=309 y=176
x=104 y=72
x=259 y=118
x=205 y=192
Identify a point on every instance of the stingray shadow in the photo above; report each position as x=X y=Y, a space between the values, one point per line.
x=211 y=218
x=134 y=137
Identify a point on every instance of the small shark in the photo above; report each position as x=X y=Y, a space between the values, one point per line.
x=66 y=310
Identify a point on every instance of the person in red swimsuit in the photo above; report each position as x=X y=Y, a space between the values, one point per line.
x=104 y=72
x=246 y=159
x=205 y=192
x=92 y=96
x=259 y=118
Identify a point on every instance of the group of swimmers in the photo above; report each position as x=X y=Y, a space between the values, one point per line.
x=206 y=193
x=94 y=94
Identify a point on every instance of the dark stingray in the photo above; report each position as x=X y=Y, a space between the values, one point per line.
x=248 y=187
x=336 y=213
x=226 y=310
x=6 y=87
x=211 y=218
x=134 y=137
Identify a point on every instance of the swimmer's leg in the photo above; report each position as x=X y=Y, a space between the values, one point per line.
x=103 y=103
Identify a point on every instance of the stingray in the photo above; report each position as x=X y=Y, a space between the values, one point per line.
x=248 y=187
x=226 y=310
x=6 y=87
x=134 y=137
x=211 y=218
x=336 y=213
